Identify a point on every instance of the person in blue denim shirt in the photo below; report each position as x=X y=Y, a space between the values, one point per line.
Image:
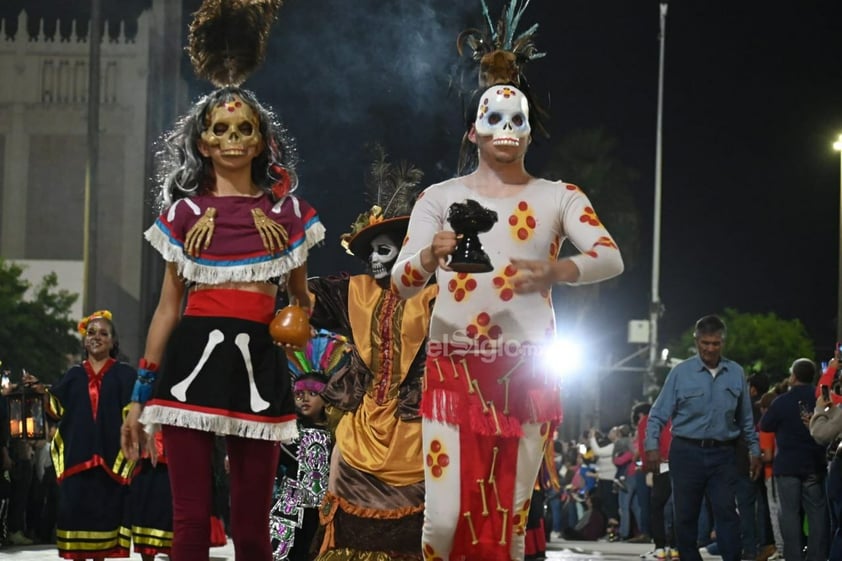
x=707 y=399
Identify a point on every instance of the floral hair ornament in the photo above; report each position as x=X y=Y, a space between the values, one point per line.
x=83 y=323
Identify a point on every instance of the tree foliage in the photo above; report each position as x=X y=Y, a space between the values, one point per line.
x=36 y=332
x=758 y=342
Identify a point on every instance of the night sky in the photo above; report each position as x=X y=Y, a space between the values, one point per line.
x=753 y=102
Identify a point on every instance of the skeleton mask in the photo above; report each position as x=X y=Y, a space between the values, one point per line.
x=384 y=251
x=233 y=127
x=503 y=113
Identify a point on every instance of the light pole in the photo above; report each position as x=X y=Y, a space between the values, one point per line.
x=655 y=304
x=838 y=146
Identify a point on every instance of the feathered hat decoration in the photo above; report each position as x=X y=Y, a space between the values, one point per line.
x=501 y=55
x=391 y=189
x=227 y=38
x=326 y=353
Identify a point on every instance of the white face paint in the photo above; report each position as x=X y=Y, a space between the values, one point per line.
x=503 y=113
x=383 y=254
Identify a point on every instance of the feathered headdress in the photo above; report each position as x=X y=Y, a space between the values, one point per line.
x=325 y=354
x=500 y=53
x=392 y=190
x=227 y=38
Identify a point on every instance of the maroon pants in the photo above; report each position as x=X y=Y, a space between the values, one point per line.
x=252 y=464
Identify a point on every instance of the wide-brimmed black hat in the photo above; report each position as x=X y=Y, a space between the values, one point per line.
x=368 y=226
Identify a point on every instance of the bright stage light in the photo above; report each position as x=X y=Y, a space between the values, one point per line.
x=563 y=356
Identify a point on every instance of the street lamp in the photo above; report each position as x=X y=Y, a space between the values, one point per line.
x=655 y=306
x=838 y=146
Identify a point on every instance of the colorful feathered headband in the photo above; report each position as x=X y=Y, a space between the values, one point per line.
x=83 y=323
x=326 y=353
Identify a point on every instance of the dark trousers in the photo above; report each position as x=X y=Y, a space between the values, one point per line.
x=696 y=472
x=22 y=474
x=747 y=505
x=834 y=501
x=659 y=497
x=252 y=464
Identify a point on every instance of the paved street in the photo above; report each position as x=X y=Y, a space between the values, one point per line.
x=572 y=551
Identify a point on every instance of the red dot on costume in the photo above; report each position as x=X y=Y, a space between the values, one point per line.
x=592 y=253
x=444 y=460
x=483 y=319
x=522 y=205
x=471 y=331
x=230 y=109
x=459 y=295
x=571 y=187
x=506 y=294
x=482 y=339
x=471 y=284
x=407 y=268
x=437 y=471
x=238 y=103
x=584 y=218
x=589 y=210
x=498 y=282
x=522 y=233
x=451 y=286
x=513 y=220
x=417 y=276
x=429 y=460
x=495 y=332
x=530 y=221
x=435 y=446
x=405 y=280
x=510 y=271
x=461 y=276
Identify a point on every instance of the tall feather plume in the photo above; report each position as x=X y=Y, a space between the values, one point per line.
x=392 y=186
x=501 y=55
x=227 y=39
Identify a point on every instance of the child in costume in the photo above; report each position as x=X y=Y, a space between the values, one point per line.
x=233 y=235
x=303 y=466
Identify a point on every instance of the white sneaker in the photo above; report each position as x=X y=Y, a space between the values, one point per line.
x=648 y=555
x=555 y=535
x=654 y=555
x=660 y=554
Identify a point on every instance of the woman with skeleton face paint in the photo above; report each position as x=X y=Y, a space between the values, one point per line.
x=232 y=234
x=375 y=500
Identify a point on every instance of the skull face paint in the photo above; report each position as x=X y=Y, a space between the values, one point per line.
x=503 y=113
x=384 y=251
x=234 y=128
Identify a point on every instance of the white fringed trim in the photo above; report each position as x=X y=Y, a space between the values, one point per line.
x=155 y=415
x=256 y=272
x=315 y=234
